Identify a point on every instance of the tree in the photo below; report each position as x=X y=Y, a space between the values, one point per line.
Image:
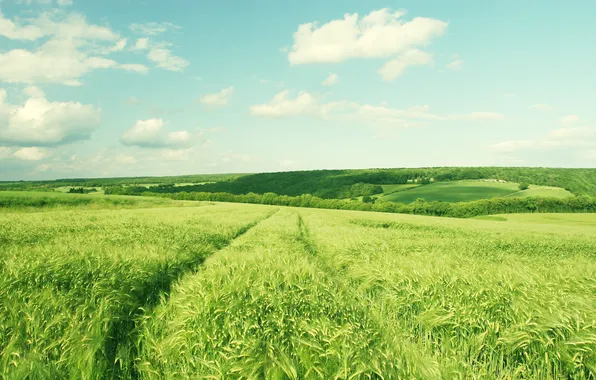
x=523 y=186
x=368 y=199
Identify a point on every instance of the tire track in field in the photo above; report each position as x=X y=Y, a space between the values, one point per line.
x=122 y=334
x=343 y=283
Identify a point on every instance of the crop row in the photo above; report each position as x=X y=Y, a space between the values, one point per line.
x=72 y=284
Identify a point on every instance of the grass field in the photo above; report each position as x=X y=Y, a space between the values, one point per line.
x=562 y=219
x=463 y=191
x=387 y=189
x=36 y=201
x=250 y=291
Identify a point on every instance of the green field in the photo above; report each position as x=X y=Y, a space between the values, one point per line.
x=562 y=219
x=36 y=201
x=251 y=291
x=471 y=190
x=399 y=187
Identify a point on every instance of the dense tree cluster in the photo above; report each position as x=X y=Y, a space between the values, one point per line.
x=81 y=190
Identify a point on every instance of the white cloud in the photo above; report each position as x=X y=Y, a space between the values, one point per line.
x=541 y=107
x=305 y=104
x=165 y=59
x=120 y=45
x=138 y=68
x=142 y=44
x=567 y=137
x=64 y=3
x=153 y=28
x=455 y=64
x=14 y=31
x=282 y=105
x=161 y=55
x=65 y=57
x=570 y=119
x=394 y=68
x=33 y=92
x=5 y=152
x=220 y=98
x=331 y=80
x=31 y=154
x=151 y=134
x=29 y=2
x=510 y=146
x=39 y=122
x=380 y=34
x=572 y=133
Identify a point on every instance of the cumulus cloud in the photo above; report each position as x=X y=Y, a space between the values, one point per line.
x=25 y=154
x=331 y=80
x=142 y=44
x=456 y=64
x=120 y=45
x=396 y=67
x=567 y=137
x=142 y=69
x=39 y=122
x=570 y=119
x=163 y=58
x=510 y=146
x=283 y=105
x=73 y=48
x=573 y=133
x=31 y=154
x=380 y=34
x=151 y=134
x=153 y=28
x=221 y=98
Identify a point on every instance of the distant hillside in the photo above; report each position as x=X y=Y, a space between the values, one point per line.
x=349 y=183
x=118 y=181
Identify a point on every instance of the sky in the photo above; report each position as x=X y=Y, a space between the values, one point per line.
x=148 y=87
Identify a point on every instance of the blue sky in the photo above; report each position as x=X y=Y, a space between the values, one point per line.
x=131 y=88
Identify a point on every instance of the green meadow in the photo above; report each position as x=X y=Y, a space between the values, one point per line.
x=469 y=190
x=217 y=290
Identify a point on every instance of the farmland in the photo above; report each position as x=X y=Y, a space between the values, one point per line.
x=463 y=191
x=182 y=289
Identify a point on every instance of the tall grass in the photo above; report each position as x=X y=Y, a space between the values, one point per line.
x=36 y=201
x=229 y=291
x=489 y=301
x=72 y=284
x=263 y=309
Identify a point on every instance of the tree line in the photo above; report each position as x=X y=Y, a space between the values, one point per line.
x=470 y=209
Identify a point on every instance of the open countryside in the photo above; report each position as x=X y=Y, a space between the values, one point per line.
x=143 y=285
x=284 y=190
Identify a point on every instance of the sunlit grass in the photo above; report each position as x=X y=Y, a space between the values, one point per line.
x=72 y=283
x=250 y=291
